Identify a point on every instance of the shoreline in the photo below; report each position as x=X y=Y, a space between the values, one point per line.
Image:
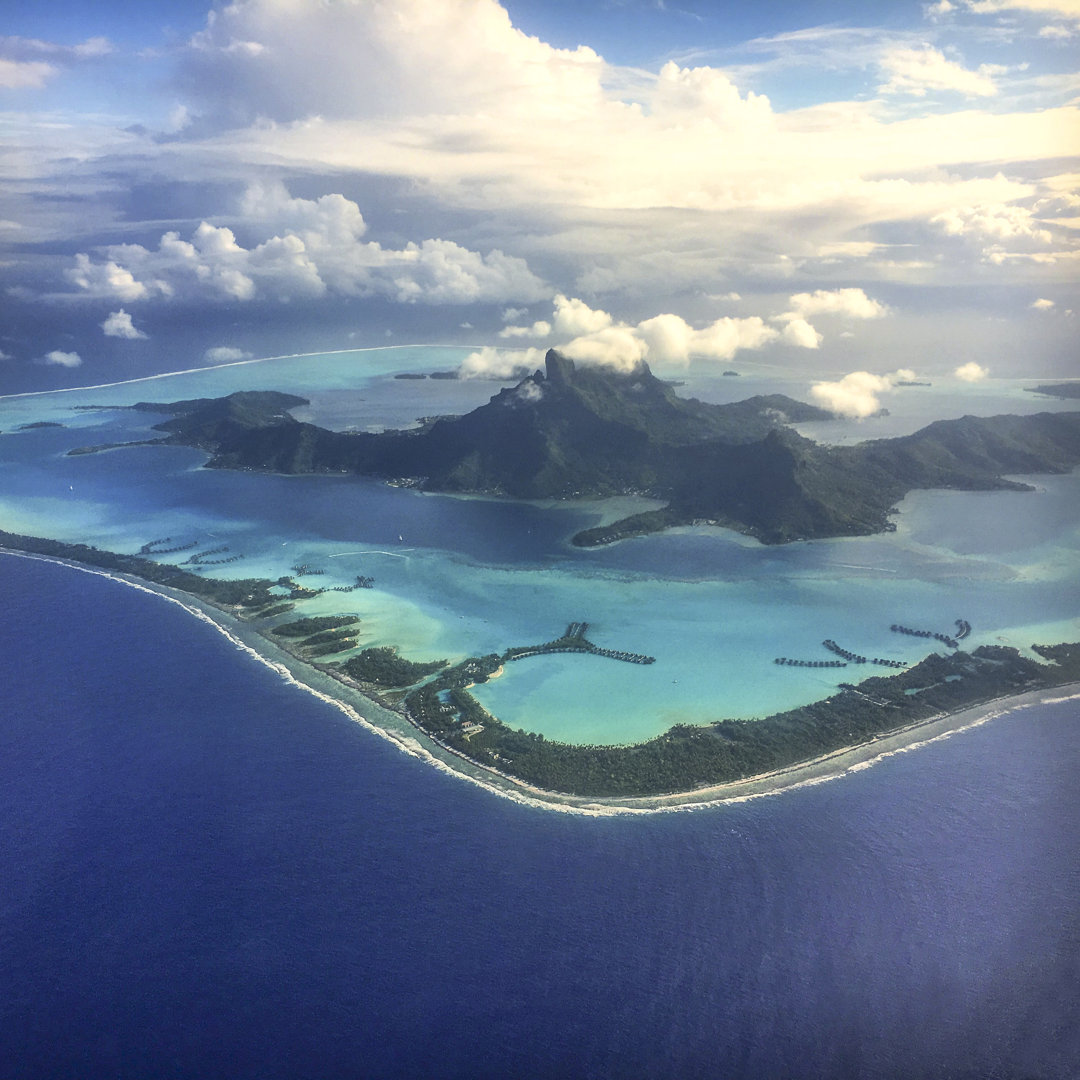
x=407 y=737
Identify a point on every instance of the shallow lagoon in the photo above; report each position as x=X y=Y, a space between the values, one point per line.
x=461 y=576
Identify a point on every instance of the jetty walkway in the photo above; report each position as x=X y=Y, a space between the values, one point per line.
x=574 y=641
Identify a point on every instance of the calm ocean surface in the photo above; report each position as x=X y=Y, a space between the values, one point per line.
x=205 y=872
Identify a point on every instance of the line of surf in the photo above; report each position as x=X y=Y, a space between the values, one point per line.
x=791 y=778
x=342 y=554
x=230 y=364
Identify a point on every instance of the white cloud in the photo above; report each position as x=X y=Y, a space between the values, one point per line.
x=539 y=329
x=409 y=57
x=317 y=252
x=489 y=363
x=799 y=332
x=24 y=74
x=119 y=324
x=1056 y=32
x=706 y=96
x=851 y=303
x=614 y=346
x=28 y=63
x=225 y=354
x=936 y=11
x=971 y=372
x=667 y=339
x=1042 y=305
x=529 y=392
x=1065 y=9
x=857 y=394
x=575 y=317
x=596 y=338
x=108 y=280
x=62 y=359
x=491 y=117
x=915 y=71
x=722 y=339
x=627 y=186
x=993 y=221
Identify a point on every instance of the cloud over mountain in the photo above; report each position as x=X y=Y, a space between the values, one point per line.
x=858 y=394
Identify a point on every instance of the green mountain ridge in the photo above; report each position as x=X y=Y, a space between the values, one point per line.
x=571 y=431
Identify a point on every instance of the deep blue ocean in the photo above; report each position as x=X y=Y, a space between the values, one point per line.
x=205 y=872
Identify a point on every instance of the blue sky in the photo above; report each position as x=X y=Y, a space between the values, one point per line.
x=839 y=186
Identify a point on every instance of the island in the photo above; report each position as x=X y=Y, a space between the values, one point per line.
x=685 y=765
x=1064 y=390
x=568 y=432
x=572 y=431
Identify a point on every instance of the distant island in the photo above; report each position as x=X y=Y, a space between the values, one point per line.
x=574 y=432
x=1059 y=390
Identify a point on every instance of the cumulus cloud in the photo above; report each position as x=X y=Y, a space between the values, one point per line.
x=119 y=324
x=856 y=395
x=225 y=354
x=971 y=372
x=410 y=57
x=799 y=332
x=614 y=346
x=662 y=339
x=915 y=71
x=551 y=126
x=626 y=183
x=941 y=8
x=574 y=317
x=851 y=303
x=706 y=96
x=24 y=74
x=110 y=280
x=489 y=363
x=62 y=359
x=1042 y=304
x=995 y=221
x=539 y=329
x=317 y=252
x=595 y=337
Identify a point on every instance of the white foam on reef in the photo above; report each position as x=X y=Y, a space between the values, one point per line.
x=231 y=364
x=526 y=794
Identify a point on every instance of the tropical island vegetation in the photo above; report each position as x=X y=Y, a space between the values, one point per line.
x=568 y=432
x=434 y=696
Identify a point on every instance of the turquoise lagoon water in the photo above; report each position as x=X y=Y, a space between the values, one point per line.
x=461 y=576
